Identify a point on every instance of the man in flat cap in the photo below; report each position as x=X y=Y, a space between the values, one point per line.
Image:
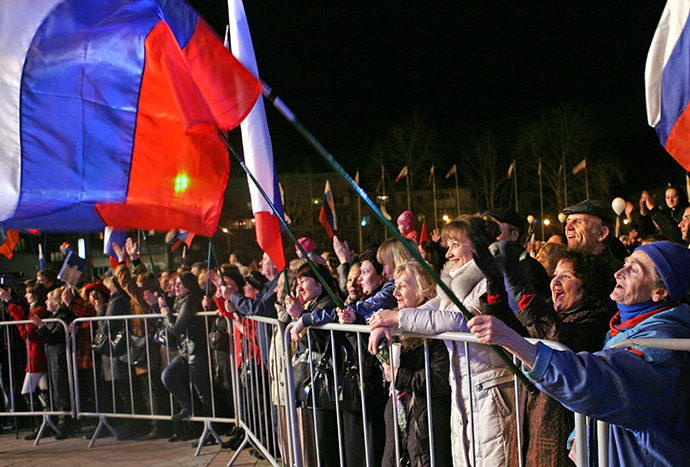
x=589 y=228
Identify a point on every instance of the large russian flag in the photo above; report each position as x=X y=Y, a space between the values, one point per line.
x=667 y=81
x=109 y=113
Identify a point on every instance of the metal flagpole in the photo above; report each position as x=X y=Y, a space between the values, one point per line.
x=383 y=197
x=433 y=181
x=586 y=180
x=516 y=191
x=407 y=180
x=457 y=193
x=359 y=215
x=287 y=113
x=565 y=183
x=541 y=201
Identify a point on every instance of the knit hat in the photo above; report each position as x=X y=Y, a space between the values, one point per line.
x=672 y=262
x=190 y=281
x=407 y=219
x=256 y=280
x=307 y=243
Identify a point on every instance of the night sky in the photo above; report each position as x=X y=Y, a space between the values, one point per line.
x=352 y=71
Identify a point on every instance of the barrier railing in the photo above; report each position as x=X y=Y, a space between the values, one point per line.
x=262 y=384
x=128 y=370
x=56 y=379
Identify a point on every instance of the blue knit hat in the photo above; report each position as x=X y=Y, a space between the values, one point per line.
x=672 y=262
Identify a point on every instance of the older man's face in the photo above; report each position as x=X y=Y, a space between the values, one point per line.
x=685 y=224
x=585 y=232
x=635 y=281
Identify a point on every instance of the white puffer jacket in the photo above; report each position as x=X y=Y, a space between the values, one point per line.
x=493 y=395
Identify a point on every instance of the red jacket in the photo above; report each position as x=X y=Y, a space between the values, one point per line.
x=36 y=358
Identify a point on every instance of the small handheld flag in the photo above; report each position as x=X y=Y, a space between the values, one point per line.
x=327 y=215
x=72 y=268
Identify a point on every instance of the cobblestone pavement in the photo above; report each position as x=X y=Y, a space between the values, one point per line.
x=108 y=451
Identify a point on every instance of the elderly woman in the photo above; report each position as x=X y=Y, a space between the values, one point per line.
x=481 y=416
x=412 y=288
x=578 y=318
x=641 y=391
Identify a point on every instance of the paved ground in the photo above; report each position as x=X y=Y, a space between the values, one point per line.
x=109 y=451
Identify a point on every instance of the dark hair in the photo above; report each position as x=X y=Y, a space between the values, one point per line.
x=233 y=273
x=369 y=254
x=596 y=277
x=49 y=274
x=306 y=271
x=189 y=281
x=434 y=254
x=682 y=197
x=39 y=292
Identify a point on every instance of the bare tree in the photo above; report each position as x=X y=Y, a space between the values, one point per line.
x=484 y=172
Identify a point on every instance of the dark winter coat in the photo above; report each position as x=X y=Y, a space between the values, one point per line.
x=547 y=423
x=118 y=305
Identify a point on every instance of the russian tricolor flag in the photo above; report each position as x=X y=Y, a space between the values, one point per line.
x=258 y=151
x=327 y=215
x=110 y=111
x=667 y=81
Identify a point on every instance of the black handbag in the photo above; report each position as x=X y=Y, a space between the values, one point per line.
x=219 y=339
x=103 y=345
x=137 y=355
x=324 y=387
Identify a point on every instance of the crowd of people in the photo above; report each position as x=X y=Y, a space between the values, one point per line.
x=586 y=289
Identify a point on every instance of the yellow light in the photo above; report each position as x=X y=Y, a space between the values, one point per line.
x=547 y=222
x=446 y=218
x=181 y=183
x=626 y=221
x=224 y=230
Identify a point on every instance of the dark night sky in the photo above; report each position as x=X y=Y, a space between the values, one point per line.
x=352 y=71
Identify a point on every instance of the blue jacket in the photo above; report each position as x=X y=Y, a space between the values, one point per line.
x=263 y=303
x=641 y=391
x=382 y=299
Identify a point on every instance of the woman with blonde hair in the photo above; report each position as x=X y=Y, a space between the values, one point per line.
x=413 y=287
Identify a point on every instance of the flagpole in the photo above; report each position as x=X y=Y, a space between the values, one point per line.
x=541 y=202
x=407 y=180
x=516 y=190
x=457 y=193
x=383 y=197
x=359 y=216
x=433 y=181
x=586 y=180
x=301 y=129
x=565 y=183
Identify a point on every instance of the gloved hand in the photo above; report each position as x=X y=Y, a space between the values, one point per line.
x=489 y=267
x=509 y=257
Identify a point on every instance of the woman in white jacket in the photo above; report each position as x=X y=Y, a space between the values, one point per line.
x=481 y=428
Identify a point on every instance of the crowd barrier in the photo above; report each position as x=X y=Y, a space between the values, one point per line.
x=259 y=380
x=47 y=396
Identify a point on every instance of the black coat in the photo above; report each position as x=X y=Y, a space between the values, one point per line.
x=411 y=380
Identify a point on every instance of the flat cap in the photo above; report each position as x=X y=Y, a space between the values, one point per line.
x=509 y=217
x=593 y=208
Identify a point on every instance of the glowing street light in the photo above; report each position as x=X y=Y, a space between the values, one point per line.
x=547 y=222
x=446 y=218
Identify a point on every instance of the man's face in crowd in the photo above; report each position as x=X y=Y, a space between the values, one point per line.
x=635 y=281
x=508 y=232
x=685 y=224
x=585 y=232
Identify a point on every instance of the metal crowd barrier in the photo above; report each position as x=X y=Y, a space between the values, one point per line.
x=298 y=442
x=11 y=388
x=262 y=384
x=109 y=396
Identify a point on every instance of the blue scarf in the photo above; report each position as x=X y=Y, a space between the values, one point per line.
x=631 y=311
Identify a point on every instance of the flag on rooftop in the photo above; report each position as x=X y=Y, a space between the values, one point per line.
x=401 y=175
x=667 y=81
x=580 y=167
x=327 y=215
x=453 y=170
x=258 y=151
x=111 y=113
